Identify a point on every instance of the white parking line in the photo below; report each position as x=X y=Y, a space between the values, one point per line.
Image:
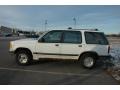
x=46 y=72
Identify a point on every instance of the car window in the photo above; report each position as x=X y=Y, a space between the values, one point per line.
x=72 y=37
x=53 y=37
x=95 y=38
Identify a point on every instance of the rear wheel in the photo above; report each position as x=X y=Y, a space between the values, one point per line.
x=23 y=57
x=88 y=60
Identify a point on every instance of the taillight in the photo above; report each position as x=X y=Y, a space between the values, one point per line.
x=109 y=49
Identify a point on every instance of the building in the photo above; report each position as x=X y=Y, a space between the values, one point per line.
x=4 y=30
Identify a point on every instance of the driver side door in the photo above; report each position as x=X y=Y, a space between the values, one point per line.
x=49 y=45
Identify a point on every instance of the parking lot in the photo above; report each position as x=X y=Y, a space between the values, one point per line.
x=47 y=72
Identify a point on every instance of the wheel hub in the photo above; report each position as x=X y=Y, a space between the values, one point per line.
x=23 y=58
x=88 y=62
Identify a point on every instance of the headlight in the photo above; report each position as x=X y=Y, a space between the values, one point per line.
x=10 y=45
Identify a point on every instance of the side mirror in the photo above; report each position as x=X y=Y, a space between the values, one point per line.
x=41 y=40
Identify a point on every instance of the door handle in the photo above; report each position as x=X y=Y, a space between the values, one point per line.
x=79 y=45
x=56 y=44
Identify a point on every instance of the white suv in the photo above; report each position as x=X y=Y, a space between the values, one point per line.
x=83 y=45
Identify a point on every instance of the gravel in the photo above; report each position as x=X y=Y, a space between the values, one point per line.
x=113 y=67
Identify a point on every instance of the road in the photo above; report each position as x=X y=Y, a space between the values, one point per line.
x=47 y=72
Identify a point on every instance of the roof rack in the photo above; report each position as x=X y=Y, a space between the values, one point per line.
x=80 y=29
x=85 y=29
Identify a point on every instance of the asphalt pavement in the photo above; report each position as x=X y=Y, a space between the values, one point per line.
x=48 y=72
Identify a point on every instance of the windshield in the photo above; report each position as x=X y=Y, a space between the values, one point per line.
x=40 y=36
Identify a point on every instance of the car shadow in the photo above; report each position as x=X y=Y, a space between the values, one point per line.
x=59 y=62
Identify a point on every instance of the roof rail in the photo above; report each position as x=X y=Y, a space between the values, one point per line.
x=86 y=29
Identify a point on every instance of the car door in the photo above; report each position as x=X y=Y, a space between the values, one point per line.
x=49 y=45
x=71 y=44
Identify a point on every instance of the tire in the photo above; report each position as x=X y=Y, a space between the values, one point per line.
x=88 y=60
x=23 y=58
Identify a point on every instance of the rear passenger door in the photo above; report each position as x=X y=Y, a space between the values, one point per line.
x=71 y=44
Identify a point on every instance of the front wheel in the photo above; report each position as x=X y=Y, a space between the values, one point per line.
x=88 y=60
x=23 y=58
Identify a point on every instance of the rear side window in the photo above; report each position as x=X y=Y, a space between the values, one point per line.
x=72 y=37
x=95 y=38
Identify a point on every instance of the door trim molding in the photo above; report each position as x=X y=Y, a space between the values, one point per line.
x=56 y=54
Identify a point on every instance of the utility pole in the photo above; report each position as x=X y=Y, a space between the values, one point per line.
x=46 y=22
x=74 y=19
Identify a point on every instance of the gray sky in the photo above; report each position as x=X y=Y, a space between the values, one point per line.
x=105 y=18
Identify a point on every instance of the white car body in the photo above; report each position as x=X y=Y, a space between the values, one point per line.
x=59 y=50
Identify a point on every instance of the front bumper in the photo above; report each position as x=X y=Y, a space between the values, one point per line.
x=11 y=52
